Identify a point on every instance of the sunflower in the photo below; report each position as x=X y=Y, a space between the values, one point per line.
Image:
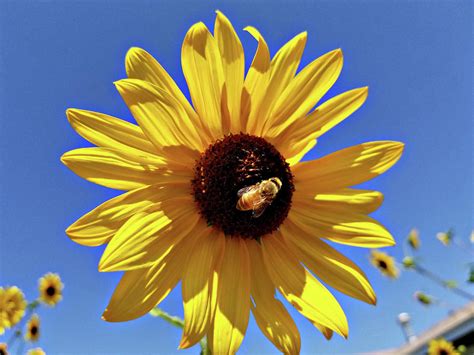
x=3 y=349
x=441 y=347
x=445 y=237
x=186 y=168
x=385 y=263
x=36 y=351
x=50 y=289
x=12 y=307
x=414 y=238
x=33 y=328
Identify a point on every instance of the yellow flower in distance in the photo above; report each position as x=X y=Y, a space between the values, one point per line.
x=12 y=307
x=217 y=198
x=414 y=238
x=3 y=349
x=444 y=237
x=33 y=328
x=50 y=289
x=36 y=351
x=441 y=347
x=385 y=263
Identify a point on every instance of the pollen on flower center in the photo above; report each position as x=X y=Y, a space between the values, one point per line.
x=230 y=164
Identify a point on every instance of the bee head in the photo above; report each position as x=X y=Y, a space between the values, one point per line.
x=276 y=181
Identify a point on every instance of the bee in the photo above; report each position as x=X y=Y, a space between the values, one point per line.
x=258 y=197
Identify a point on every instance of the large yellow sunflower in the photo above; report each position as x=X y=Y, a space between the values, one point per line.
x=185 y=168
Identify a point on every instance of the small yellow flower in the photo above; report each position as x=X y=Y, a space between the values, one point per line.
x=33 y=328
x=414 y=238
x=12 y=307
x=441 y=347
x=3 y=349
x=36 y=351
x=50 y=289
x=385 y=263
x=408 y=262
x=445 y=237
x=472 y=236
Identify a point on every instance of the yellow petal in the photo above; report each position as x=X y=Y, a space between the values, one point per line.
x=110 y=132
x=270 y=314
x=324 y=330
x=282 y=70
x=343 y=200
x=302 y=149
x=202 y=68
x=346 y=167
x=305 y=90
x=328 y=264
x=99 y=225
x=335 y=110
x=111 y=168
x=140 y=64
x=233 y=299
x=300 y=288
x=345 y=228
x=256 y=81
x=162 y=118
x=149 y=236
x=140 y=290
x=197 y=286
x=292 y=139
x=233 y=63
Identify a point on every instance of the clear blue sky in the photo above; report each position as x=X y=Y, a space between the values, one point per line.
x=415 y=56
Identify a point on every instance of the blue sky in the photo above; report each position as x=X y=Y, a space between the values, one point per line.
x=415 y=56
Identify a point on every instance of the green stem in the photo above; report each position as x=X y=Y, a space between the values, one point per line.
x=17 y=330
x=178 y=322
x=15 y=335
x=433 y=277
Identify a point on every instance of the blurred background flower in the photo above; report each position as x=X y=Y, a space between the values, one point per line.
x=32 y=333
x=50 y=289
x=385 y=263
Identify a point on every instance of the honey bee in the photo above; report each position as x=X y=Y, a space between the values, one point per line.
x=258 y=197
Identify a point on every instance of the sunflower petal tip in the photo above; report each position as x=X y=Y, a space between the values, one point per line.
x=70 y=112
x=184 y=343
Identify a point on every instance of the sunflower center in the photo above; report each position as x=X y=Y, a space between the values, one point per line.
x=50 y=291
x=443 y=352
x=382 y=264
x=243 y=170
x=34 y=330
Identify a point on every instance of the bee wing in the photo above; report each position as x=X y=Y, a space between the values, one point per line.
x=245 y=189
x=259 y=208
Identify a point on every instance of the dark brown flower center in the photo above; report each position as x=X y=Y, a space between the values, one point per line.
x=382 y=264
x=34 y=330
x=50 y=291
x=230 y=164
